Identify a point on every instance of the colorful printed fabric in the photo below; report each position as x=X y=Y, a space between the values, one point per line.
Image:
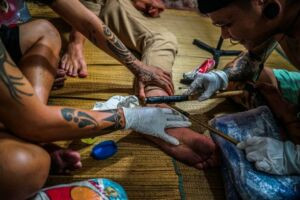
x=241 y=179
x=94 y=189
x=13 y=12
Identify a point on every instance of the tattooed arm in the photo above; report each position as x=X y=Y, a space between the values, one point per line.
x=97 y=32
x=25 y=116
x=248 y=65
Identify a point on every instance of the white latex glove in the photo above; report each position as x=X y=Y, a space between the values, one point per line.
x=208 y=84
x=154 y=121
x=272 y=156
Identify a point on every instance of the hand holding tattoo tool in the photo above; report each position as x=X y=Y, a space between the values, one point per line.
x=210 y=128
x=180 y=98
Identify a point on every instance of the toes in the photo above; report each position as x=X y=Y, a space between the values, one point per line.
x=83 y=72
x=70 y=69
x=60 y=73
x=63 y=61
x=75 y=68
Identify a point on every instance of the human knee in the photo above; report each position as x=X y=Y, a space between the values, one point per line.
x=23 y=163
x=164 y=40
x=49 y=35
x=171 y=40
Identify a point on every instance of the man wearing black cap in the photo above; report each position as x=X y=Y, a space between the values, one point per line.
x=258 y=25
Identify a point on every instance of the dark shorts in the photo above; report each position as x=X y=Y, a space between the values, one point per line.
x=11 y=40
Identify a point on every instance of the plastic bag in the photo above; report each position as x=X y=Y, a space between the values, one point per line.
x=241 y=178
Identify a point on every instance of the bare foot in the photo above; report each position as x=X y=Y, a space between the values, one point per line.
x=73 y=61
x=195 y=149
x=62 y=160
x=60 y=79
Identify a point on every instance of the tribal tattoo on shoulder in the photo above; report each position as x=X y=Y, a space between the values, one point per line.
x=12 y=82
x=111 y=123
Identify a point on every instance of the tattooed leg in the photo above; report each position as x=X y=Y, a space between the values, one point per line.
x=40 y=46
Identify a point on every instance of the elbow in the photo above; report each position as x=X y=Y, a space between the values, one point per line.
x=33 y=128
x=30 y=132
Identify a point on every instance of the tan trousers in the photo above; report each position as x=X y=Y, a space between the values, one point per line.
x=155 y=45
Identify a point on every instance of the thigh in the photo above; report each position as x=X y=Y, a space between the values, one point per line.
x=155 y=44
x=24 y=167
x=129 y=24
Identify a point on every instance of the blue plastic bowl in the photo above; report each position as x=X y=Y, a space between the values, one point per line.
x=104 y=150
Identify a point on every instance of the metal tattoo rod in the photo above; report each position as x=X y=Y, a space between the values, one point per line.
x=212 y=129
x=180 y=98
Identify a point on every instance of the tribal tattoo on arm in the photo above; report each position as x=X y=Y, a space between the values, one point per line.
x=11 y=81
x=115 y=121
x=248 y=65
x=121 y=52
x=244 y=67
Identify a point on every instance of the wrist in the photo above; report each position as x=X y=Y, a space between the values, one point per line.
x=223 y=78
x=128 y=113
x=120 y=112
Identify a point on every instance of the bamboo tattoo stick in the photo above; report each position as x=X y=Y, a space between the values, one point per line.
x=213 y=130
x=180 y=98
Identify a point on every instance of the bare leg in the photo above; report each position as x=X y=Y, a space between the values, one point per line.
x=196 y=150
x=24 y=168
x=73 y=61
x=40 y=45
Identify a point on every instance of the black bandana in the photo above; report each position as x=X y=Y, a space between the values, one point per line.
x=208 y=6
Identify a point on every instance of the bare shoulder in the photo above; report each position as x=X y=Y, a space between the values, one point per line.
x=291 y=47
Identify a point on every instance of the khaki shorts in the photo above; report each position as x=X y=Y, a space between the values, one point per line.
x=153 y=43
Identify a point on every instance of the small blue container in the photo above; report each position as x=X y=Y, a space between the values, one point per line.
x=104 y=150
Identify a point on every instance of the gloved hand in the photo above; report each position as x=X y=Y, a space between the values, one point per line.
x=272 y=156
x=153 y=121
x=207 y=84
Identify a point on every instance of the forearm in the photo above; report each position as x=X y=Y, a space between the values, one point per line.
x=248 y=65
x=53 y=123
x=96 y=31
x=26 y=116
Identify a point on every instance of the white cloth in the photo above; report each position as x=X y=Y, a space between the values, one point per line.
x=272 y=156
x=117 y=102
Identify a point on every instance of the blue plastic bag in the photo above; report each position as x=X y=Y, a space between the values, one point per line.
x=241 y=179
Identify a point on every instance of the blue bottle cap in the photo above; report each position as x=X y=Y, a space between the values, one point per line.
x=104 y=150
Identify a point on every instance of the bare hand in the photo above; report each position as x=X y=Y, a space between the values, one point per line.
x=150 y=7
x=154 y=76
